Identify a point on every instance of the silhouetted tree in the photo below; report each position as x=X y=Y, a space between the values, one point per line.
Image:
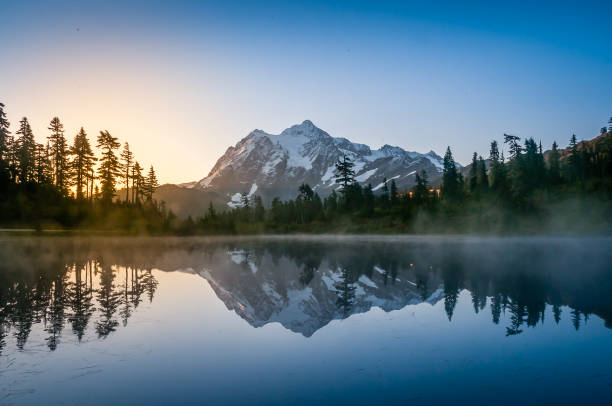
x=127 y=158
x=109 y=168
x=59 y=155
x=82 y=162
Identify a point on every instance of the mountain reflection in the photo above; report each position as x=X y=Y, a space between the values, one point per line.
x=96 y=285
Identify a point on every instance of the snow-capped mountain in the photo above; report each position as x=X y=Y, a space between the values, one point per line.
x=274 y=165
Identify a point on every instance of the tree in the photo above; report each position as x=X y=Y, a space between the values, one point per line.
x=384 y=197
x=44 y=171
x=211 y=211
x=83 y=161
x=573 y=159
x=137 y=182
x=393 y=193
x=450 y=177
x=481 y=173
x=420 y=192
x=25 y=149
x=109 y=168
x=151 y=184
x=345 y=175
x=473 y=175
x=59 y=155
x=498 y=169
x=554 y=169
x=513 y=145
x=258 y=211
x=305 y=192
x=4 y=141
x=127 y=157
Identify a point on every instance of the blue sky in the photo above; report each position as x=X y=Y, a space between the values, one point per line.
x=184 y=80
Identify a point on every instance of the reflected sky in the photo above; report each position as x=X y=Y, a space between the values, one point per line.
x=304 y=320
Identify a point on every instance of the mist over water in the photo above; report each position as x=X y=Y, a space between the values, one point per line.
x=331 y=320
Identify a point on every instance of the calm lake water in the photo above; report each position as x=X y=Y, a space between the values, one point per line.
x=280 y=321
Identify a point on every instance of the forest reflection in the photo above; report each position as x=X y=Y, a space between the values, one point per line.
x=96 y=285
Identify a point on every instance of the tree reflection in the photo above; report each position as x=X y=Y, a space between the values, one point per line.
x=97 y=287
x=50 y=291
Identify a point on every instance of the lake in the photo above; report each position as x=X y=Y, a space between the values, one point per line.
x=305 y=320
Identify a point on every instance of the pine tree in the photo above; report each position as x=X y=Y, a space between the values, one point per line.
x=44 y=172
x=384 y=197
x=25 y=149
x=450 y=177
x=127 y=157
x=483 y=179
x=473 y=175
x=211 y=211
x=513 y=145
x=393 y=194
x=137 y=182
x=83 y=161
x=554 y=169
x=573 y=159
x=4 y=141
x=345 y=175
x=151 y=183
x=109 y=168
x=420 y=192
x=59 y=155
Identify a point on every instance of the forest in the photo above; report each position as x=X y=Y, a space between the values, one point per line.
x=68 y=187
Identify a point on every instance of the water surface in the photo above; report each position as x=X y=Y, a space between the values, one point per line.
x=325 y=320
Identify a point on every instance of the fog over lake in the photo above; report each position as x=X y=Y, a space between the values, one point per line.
x=305 y=320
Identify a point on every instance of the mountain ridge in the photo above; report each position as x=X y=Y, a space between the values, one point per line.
x=274 y=165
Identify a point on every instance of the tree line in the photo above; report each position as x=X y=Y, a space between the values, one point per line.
x=527 y=190
x=67 y=184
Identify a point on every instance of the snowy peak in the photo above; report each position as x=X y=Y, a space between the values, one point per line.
x=276 y=164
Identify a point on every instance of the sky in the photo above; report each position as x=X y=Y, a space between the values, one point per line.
x=184 y=80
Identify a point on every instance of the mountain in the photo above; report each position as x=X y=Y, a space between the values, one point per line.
x=274 y=165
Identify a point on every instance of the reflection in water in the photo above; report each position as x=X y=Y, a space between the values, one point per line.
x=303 y=284
x=50 y=292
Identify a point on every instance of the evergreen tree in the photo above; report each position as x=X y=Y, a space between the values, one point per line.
x=59 y=155
x=498 y=170
x=483 y=179
x=384 y=197
x=137 y=182
x=420 y=192
x=4 y=142
x=109 y=168
x=473 y=175
x=211 y=211
x=554 y=168
x=82 y=162
x=450 y=177
x=513 y=145
x=369 y=201
x=44 y=171
x=127 y=157
x=345 y=175
x=151 y=183
x=25 y=152
x=393 y=196
x=258 y=211
x=573 y=160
